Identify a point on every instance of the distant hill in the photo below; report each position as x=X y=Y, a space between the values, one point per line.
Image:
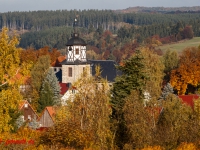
x=159 y=9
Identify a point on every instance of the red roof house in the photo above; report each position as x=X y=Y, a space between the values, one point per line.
x=27 y=111
x=189 y=99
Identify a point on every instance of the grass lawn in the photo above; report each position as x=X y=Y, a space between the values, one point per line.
x=181 y=45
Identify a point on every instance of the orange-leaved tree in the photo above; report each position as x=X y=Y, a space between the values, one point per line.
x=187 y=74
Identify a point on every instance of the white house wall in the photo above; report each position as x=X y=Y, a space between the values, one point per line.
x=77 y=70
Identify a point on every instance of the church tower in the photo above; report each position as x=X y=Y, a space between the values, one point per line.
x=76 y=61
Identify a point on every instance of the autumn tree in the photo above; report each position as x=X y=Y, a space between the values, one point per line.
x=86 y=124
x=32 y=55
x=188 y=32
x=177 y=123
x=139 y=122
x=170 y=61
x=154 y=69
x=38 y=73
x=9 y=83
x=186 y=77
x=133 y=77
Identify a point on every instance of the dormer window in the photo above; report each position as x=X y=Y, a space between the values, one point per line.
x=26 y=105
x=77 y=51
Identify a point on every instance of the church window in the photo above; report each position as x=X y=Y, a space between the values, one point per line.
x=77 y=51
x=70 y=72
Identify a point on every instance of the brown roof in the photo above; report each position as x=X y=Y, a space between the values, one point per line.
x=51 y=111
x=58 y=61
x=18 y=76
x=21 y=104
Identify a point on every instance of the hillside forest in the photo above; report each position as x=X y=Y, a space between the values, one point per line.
x=140 y=110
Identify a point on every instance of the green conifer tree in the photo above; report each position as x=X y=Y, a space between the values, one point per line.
x=133 y=78
x=50 y=91
x=46 y=97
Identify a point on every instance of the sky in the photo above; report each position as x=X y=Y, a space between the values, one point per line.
x=35 y=5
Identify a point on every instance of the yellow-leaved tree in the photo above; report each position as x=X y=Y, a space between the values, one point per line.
x=9 y=80
x=85 y=120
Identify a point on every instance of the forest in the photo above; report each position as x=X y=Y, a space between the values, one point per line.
x=141 y=110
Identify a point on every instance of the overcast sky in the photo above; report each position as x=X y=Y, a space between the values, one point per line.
x=32 y=5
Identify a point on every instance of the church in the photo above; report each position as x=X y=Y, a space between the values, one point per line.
x=70 y=69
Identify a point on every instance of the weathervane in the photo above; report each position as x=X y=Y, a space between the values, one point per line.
x=75 y=24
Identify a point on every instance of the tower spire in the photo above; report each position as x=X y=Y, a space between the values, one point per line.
x=75 y=25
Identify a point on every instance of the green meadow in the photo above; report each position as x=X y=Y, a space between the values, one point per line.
x=181 y=45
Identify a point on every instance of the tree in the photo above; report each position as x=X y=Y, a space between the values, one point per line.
x=188 y=32
x=168 y=89
x=154 y=70
x=9 y=83
x=86 y=124
x=38 y=73
x=133 y=78
x=186 y=77
x=50 y=91
x=177 y=123
x=46 y=97
x=138 y=122
x=170 y=60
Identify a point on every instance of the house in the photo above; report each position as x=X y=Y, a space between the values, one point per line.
x=47 y=117
x=189 y=99
x=68 y=95
x=27 y=111
x=57 y=67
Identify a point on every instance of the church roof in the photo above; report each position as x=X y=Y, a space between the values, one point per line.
x=76 y=62
x=76 y=40
x=108 y=69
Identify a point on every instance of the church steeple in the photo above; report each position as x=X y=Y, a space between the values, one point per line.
x=76 y=62
x=76 y=47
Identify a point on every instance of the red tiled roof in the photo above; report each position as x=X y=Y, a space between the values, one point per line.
x=64 y=88
x=50 y=110
x=21 y=103
x=18 y=76
x=189 y=99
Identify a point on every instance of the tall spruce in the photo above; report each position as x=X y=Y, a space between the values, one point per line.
x=50 y=91
x=133 y=78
